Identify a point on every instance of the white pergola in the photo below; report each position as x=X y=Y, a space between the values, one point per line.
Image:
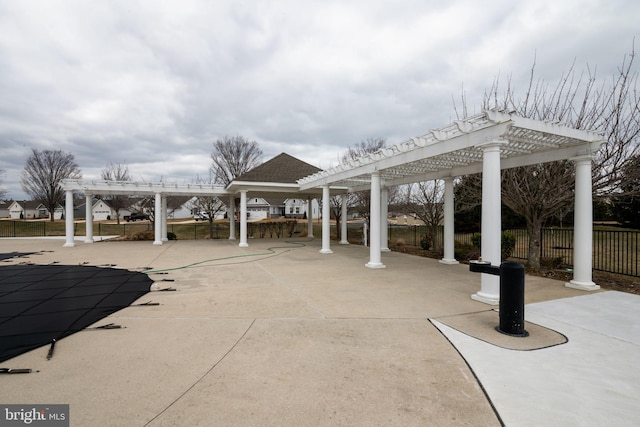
x=128 y=188
x=487 y=143
x=161 y=190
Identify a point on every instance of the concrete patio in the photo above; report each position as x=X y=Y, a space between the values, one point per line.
x=278 y=334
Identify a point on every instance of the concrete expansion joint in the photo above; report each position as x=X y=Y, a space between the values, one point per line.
x=184 y=393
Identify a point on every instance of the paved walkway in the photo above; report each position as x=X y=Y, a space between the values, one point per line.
x=278 y=334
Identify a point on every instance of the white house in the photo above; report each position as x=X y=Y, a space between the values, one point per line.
x=297 y=208
x=260 y=208
x=31 y=209
x=4 y=208
x=100 y=210
x=190 y=209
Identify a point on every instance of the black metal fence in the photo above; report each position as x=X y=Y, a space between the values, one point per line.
x=22 y=228
x=613 y=251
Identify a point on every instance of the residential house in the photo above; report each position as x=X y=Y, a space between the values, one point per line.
x=31 y=209
x=100 y=210
x=297 y=208
x=4 y=208
x=259 y=208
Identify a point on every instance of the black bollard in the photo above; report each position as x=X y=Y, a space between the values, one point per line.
x=512 y=299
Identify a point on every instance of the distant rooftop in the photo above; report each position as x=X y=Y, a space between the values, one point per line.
x=283 y=168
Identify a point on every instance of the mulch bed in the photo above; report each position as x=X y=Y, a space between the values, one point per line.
x=614 y=282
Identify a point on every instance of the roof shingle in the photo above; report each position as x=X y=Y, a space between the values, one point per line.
x=281 y=169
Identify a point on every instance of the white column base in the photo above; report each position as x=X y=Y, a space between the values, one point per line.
x=343 y=242
x=243 y=245
x=487 y=299
x=68 y=245
x=89 y=240
x=385 y=250
x=157 y=242
x=583 y=286
x=489 y=292
x=375 y=265
x=449 y=261
x=326 y=251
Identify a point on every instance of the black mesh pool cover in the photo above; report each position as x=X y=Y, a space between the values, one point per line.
x=40 y=303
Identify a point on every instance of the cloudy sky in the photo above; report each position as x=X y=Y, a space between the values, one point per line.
x=152 y=84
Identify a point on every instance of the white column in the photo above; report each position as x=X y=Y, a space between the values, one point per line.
x=583 y=227
x=164 y=219
x=309 y=217
x=68 y=220
x=88 y=216
x=232 y=217
x=374 y=218
x=343 y=232
x=449 y=231
x=326 y=221
x=157 y=213
x=384 y=227
x=243 y=219
x=491 y=222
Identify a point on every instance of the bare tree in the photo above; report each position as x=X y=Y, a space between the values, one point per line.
x=117 y=172
x=208 y=205
x=426 y=201
x=626 y=206
x=540 y=192
x=361 y=200
x=3 y=191
x=43 y=174
x=233 y=156
x=335 y=207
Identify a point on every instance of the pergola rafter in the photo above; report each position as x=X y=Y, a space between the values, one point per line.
x=456 y=149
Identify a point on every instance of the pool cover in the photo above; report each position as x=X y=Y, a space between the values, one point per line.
x=43 y=303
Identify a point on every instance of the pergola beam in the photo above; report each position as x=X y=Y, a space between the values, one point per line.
x=143 y=188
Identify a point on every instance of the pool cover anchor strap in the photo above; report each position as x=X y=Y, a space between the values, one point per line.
x=107 y=326
x=14 y=371
x=51 y=349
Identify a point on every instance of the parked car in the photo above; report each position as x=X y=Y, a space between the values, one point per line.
x=136 y=217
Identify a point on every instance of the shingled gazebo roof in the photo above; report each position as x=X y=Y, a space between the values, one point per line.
x=283 y=168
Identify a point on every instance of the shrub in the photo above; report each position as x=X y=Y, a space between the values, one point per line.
x=425 y=243
x=171 y=236
x=143 y=235
x=476 y=240
x=507 y=243
x=400 y=242
x=465 y=252
x=553 y=263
